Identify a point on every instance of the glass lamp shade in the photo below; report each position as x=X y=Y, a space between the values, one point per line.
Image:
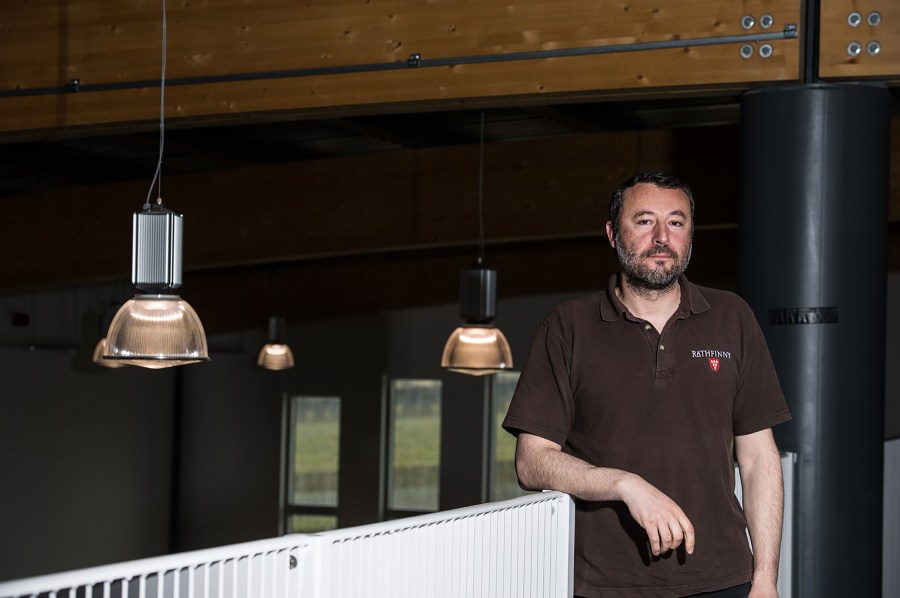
x=477 y=350
x=99 y=351
x=275 y=356
x=156 y=331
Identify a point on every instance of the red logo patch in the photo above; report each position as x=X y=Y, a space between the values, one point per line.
x=714 y=363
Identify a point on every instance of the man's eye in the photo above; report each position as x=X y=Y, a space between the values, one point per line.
x=677 y=223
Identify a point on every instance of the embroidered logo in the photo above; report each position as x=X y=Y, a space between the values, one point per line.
x=714 y=357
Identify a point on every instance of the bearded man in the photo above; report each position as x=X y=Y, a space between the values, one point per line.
x=634 y=400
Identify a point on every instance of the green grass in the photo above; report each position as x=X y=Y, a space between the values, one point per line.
x=417 y=444
x=316 y=448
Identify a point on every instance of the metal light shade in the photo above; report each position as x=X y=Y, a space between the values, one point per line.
x=156 y=331
x=477 y=350
x=477 y=347
x=276 y=354
x=100 y=351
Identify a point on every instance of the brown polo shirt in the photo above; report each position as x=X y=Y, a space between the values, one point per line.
x=612 y=391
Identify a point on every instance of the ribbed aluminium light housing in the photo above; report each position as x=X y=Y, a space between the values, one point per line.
x=156 y=329
x=157 y=237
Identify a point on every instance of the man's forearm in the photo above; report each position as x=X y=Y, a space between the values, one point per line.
x=764 y=507
x=542 y=468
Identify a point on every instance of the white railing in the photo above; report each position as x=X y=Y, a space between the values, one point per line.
x=519 y=547
x=890 y=576
x=262 y=568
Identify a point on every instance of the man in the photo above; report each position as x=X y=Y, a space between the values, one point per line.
x=634 y=400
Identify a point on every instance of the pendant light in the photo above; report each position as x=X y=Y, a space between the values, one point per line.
x=100 y=347
x=477 y=347
x=276 y=354
x=157 y=329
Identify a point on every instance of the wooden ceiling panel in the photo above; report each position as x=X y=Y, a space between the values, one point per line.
x=118 y=41
x=847 y=30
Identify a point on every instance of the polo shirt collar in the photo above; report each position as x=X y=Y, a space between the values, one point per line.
x=692 y=300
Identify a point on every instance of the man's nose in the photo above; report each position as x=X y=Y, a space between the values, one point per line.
x=661 y=234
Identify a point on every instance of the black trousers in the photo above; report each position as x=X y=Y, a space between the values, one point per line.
x=736 y=592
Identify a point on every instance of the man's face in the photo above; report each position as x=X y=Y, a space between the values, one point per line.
x=654 y=240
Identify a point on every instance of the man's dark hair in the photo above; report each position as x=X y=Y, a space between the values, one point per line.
x=657 y=179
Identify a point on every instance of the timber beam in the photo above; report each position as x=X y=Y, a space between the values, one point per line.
x=96 y=64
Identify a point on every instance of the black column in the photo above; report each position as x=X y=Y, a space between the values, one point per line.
x=812 y=250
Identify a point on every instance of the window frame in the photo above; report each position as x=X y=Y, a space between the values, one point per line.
x=387 y=426
x=288 y=507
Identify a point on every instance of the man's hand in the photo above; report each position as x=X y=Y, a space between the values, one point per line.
x=665 y=523
x=541 y=465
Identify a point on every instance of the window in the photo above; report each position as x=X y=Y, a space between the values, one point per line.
x=502 y=468
x=312 y=462
x=414 y=446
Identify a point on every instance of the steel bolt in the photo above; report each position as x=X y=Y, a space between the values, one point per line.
x=853 y=49
x=748 y=22
x=766 y=21
x=873 y=48
x=874 y=19
x=765 y=50
x=746 y=51
x=854 y=19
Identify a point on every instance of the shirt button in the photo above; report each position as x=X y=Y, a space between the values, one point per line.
x=662 y=347
x=647 y=326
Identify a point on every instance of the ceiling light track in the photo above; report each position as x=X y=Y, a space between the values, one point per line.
x=414 y=61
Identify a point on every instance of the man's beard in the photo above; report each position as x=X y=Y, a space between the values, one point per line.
x=651 y=278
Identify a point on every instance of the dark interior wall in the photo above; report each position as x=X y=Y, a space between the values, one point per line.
x=229 y=447
x=85 y=463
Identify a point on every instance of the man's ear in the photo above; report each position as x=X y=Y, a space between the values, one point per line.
x=610 y=235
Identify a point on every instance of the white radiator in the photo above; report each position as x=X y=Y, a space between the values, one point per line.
x=262 y=568
x=520 y=547
x=890 y=574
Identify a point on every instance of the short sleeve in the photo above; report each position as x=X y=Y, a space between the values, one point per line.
x=543 y=404
x=759 y=402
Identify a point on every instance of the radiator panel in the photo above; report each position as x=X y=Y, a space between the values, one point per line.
x=490 y=550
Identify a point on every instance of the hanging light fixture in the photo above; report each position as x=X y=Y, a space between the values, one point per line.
x=276 y=354
x=478 y=347
x=157 y=329
x=100 y=347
